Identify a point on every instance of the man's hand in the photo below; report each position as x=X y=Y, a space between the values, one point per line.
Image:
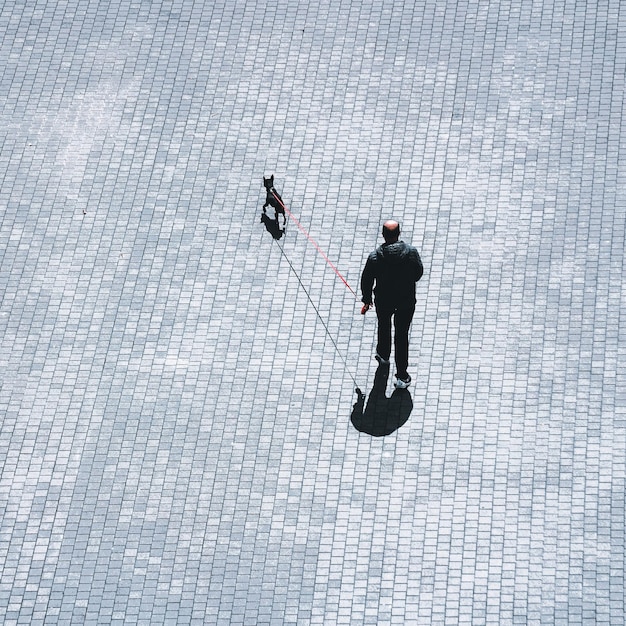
x=366 y=308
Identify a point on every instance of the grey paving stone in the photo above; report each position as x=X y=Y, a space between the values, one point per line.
x=175 y=435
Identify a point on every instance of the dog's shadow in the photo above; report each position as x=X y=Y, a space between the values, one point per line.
x=272 y=226
x=382 y=415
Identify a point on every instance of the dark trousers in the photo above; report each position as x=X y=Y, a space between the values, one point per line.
x=402 y=317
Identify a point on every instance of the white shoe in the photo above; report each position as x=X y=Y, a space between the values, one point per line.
x=402 y=383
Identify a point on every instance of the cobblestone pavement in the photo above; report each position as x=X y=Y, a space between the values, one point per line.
x=176 y=440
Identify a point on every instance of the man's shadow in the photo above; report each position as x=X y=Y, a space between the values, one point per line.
x=382 y=415
x=272 y=226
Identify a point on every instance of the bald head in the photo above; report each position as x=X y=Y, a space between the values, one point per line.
x=391 y=231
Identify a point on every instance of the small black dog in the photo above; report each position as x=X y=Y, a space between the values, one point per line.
x=273 y=199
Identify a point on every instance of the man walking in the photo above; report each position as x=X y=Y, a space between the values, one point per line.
x=395 y=267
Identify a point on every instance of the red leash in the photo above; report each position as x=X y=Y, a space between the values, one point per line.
x=345 y=282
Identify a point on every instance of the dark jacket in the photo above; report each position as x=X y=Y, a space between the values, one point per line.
x=395 y=267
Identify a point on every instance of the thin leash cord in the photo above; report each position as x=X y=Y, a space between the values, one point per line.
x=306 y=234
x=318 y=315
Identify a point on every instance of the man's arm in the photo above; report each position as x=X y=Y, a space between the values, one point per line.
x=418 y=267
x=367 y=279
